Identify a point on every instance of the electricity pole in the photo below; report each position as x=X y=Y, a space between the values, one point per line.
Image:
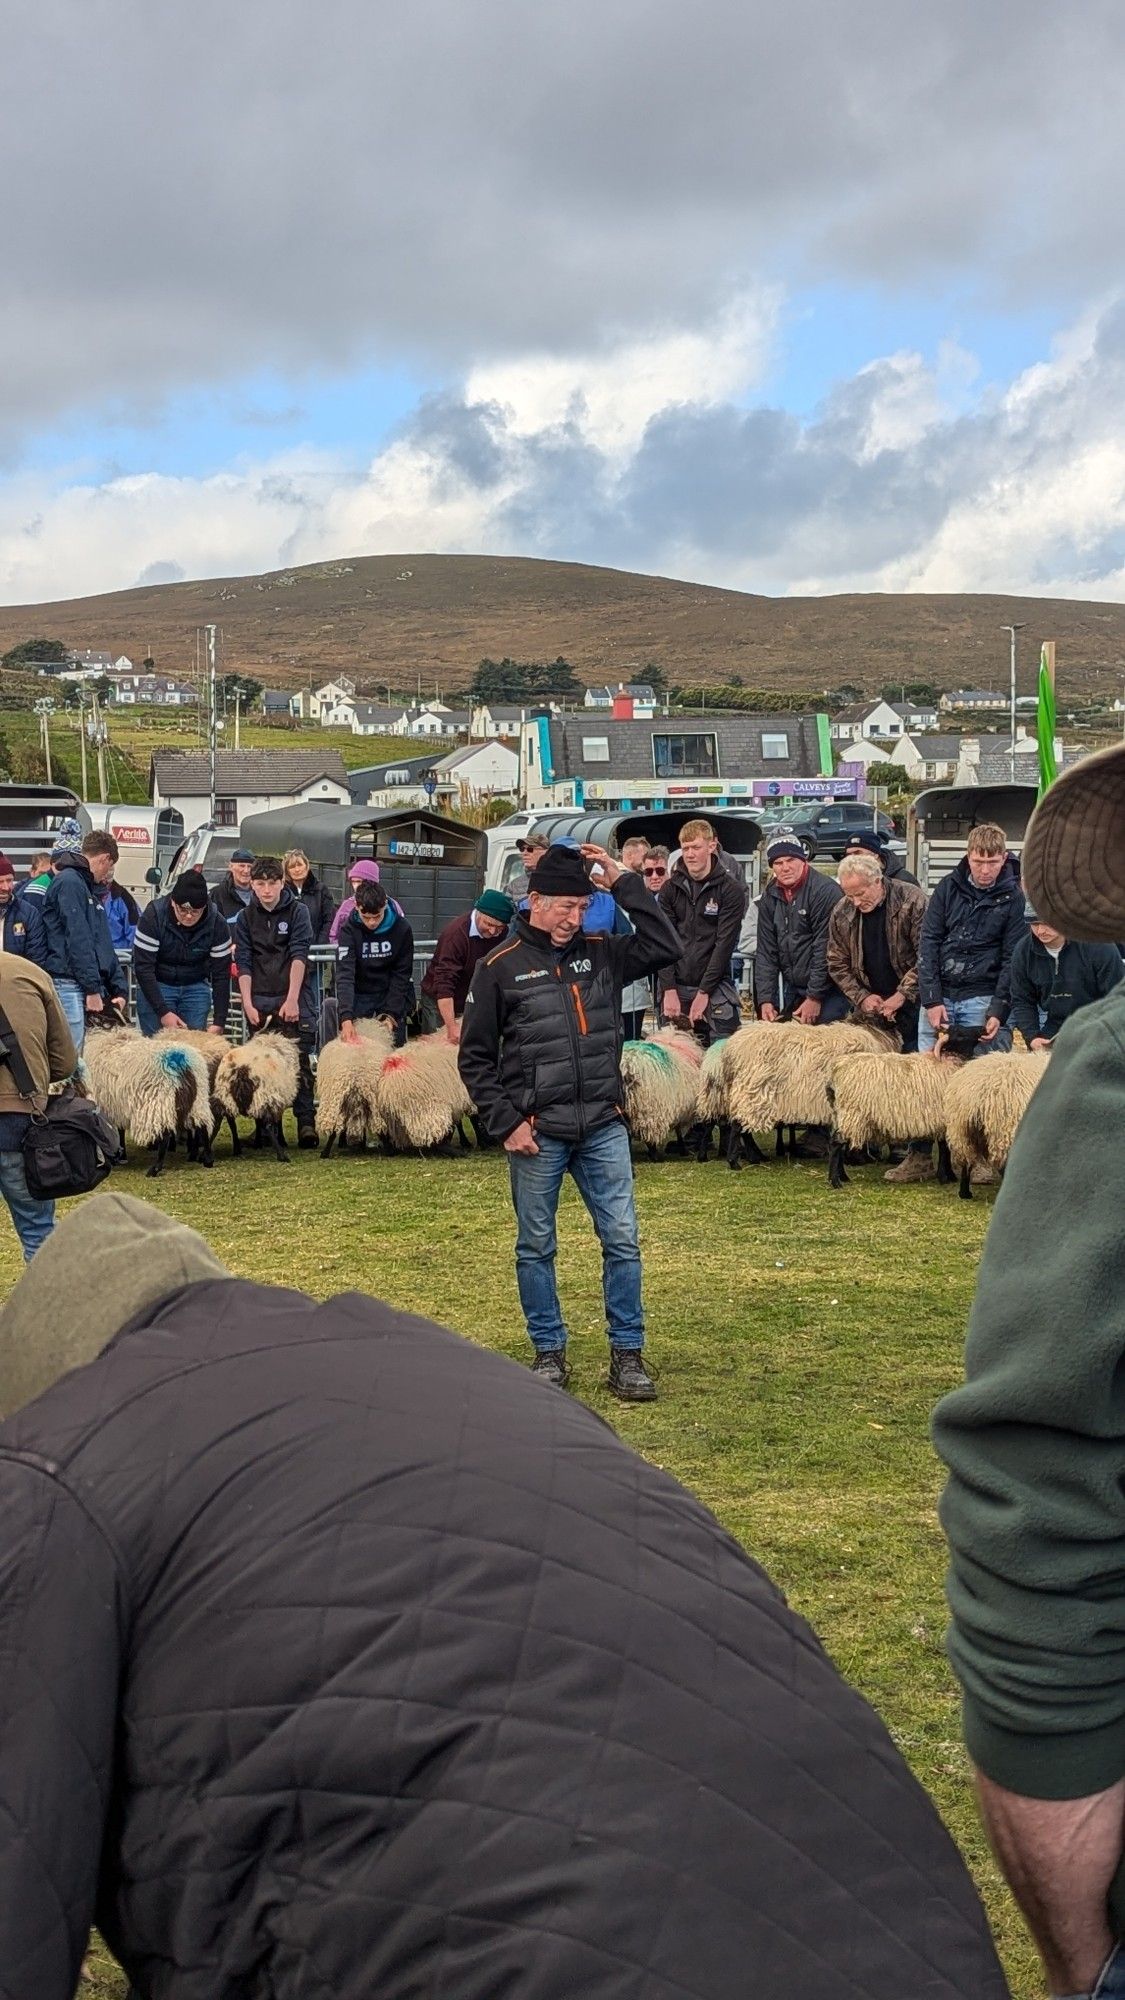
x=99 y=735
x=44 y=709
x=238 y=715
x=1012 y=630
x=213 y=730
x=82 y=745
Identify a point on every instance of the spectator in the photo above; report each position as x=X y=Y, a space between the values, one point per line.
x=533 y=846
x=872 y=842
x=80 y=956
x=793 y=916
x=21 y=919
x=873 y=940
x=458 y=952
x=182 y=959
x=705 y=903
x=973 y=923
x=637 y=996
x=540 y=1056
x=360 y=871
x=374 y=965
x=318 y=901
x=35 y=1019
x=537 y=1727
x=40 y=873
x=1054 y=976
x=272 y=941
x=122 y=914
x=233 y=894
x=1034 y=1444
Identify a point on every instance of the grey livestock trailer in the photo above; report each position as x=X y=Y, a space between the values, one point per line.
x=940 y=821
x=431 y=865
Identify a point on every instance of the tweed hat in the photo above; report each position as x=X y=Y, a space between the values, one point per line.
x=1074 y=854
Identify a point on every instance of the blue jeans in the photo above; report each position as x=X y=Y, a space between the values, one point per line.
x=1111 y=1983
x=192 y=1004
x=33 y=1220
x=602 y=1170
x=72 y=1000
x=972 y=1013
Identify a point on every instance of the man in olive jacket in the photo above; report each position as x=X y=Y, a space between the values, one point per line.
x=341 y=1660
x=1035 y=1445
x=540 y=1056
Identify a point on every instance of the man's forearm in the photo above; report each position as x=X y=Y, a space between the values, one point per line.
x=447 y=1011
x=1059 y=1857
x=296 y=981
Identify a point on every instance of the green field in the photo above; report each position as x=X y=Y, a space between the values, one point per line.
x=802 y=1338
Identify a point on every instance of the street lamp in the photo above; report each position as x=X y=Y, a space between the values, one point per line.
x=1012 y=630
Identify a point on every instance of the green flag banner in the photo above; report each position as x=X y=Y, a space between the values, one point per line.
x=1047 y=770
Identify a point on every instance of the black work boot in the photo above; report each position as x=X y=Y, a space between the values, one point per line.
x=551 y=1365
x=629 y=1379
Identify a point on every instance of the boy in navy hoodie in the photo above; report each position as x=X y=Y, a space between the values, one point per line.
x=375 y=964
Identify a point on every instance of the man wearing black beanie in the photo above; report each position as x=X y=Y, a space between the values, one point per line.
x=182 y=958
x=540 y=1055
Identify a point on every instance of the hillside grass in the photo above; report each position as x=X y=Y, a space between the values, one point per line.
x=802 y=1337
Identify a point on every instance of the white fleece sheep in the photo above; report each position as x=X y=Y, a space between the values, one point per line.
x=347 y=1084
x=155 y=1090
x=983 y=1107
x=661 y=1080
x=420 y=1096
x=258 y=1080
x=777 y=1073
x=879 y=1099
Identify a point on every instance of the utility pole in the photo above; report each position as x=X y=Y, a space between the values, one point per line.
x=82 y=745
x=44 y=709
x=1012 y=630
x=99 y=736
x=213 y=716
x=238 y=715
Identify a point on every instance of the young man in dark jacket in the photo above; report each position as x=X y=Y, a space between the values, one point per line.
x=374 y=964
x=793 y=916
x=234 y=893
x=21 y=919
x=272 y=941
x=1035 y=1445
x=80 y=955
x=340 y=1660
x=182 y=957
x=458 y=952
x=1053 y=977
x=973 y=923
x=540 y=1055
x=705 y=903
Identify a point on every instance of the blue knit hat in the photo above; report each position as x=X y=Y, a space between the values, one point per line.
x=68 y=839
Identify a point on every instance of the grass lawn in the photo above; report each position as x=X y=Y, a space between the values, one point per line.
x=802 y=1338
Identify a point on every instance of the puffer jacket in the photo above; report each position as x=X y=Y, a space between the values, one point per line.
x=905 y=907
x=79 y=945
x=541 y=1033
x=793 y=940
x=343 y=1659
x=968 y=938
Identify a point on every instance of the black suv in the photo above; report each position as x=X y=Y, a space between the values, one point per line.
x=827 y=829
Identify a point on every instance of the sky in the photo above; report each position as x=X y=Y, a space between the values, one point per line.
x=819 y=298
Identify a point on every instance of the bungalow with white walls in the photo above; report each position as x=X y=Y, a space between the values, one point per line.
x=481 y=771
x=246 y=781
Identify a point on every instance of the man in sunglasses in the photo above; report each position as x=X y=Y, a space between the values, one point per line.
x=640 y=859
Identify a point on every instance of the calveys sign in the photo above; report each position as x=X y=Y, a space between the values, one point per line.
x=416 y=850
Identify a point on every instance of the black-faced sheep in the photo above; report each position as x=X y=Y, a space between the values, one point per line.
x=661 y=1080
x=775 y=1074
x=983 y=1107
x=882 y=1099
x=158 y=1091
x=420 y=1096
x=259 y=1081
x=347 y=1083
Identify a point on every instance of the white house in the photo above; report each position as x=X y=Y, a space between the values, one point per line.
x=973 y=698
x=246 y=781
x=498 y=718
x=131 y=690
x=433 y=720
x=369 y=718
x=481 y=770
x=884 y=719
x=327 y=697
x=927 y=758
x=644 y=697
x=865 y=752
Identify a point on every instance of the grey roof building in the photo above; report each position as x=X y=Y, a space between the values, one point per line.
x=187 y=774
x=589 y=754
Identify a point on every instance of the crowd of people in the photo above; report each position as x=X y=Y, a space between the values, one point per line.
x=307 y=1610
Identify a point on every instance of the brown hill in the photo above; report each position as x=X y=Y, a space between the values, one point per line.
x=410 y=620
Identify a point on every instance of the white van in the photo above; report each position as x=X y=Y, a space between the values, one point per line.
x=146 y=836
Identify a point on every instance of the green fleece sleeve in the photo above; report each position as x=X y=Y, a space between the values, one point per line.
x=1035 y=1440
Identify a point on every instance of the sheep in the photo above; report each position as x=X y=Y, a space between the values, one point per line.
x=258 y=1080
x=879 y=1099
x=983 y=1107
x=157 y=1091
x=420 y=1096
x=661 y=1082
x=347 y=1077
x=777 y=1074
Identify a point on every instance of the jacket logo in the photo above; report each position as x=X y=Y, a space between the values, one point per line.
x=711 y=907
x=581 y=965
x=283 y=930
x=521 y=976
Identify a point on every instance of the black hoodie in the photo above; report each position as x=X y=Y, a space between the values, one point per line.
x=968 y=937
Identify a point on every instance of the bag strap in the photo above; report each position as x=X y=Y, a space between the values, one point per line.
x=17 y=1061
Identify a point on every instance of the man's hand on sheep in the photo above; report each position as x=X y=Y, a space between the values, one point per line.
x=767 y=1011
x=214 y=1029
x=348 y=1031
x=171 y=1020
x=289 y=1011
x=892 y=1005
x=991 y=1028
x=937 y=1016
x=94 y=1003
x=808 y=1012
x=699 y=1007
x=522 y=1140
x=872 y=1003
x=671 y=1004
x=119 y=1003
x=453 y=1032
x=608 y=870
x=251 y=1013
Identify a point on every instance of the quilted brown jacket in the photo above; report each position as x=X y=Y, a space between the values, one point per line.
x=906 y=906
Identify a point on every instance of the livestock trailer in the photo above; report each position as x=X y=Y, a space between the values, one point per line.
x=30 y=816
x=432 y=865
x=940 y=821
x=740 y=835
x=147 y=838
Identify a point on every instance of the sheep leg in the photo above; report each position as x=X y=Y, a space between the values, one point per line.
x=965 y=1189
x=945 y=1171
x=793 y=1149
x=837 y=1178
x=734 y=1147
x=701 y=1139
x=326 y=1149
x=462 y=1136
x=779 y=1144
x=157 y=1166
x=271 y=1130
x=235 y=1141
x=752 y=1153
x=203 y=1153
x=653 y=1153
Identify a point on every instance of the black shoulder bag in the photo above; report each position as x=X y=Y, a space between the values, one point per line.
x=69 y=1147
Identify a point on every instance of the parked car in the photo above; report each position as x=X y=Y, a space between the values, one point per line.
x=826 y=829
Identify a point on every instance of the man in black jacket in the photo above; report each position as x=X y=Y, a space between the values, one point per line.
x=705 y=902
x=1053 y=976
x=374 y=964
x=80 y=955
x=794 y=912
x=893 y=865
x=540 y=1055
x=973 y=923
x=234 y=892
x=182 y=956
x=272 y=941
x=339 y=1661
x=21 y=919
